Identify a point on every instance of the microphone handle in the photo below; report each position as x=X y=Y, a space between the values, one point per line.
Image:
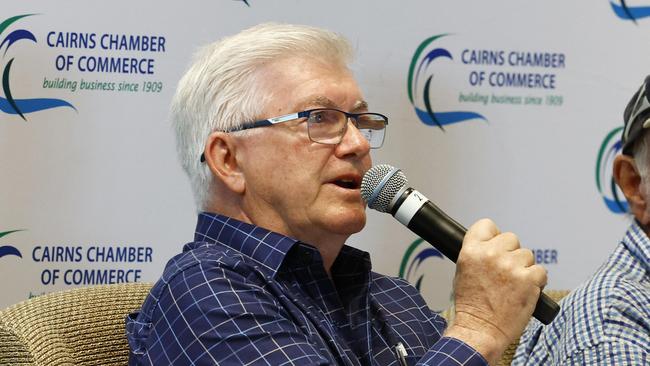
x=446 y=235
x=440 y=230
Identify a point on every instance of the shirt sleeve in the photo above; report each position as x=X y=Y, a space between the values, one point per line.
x=213 y=315
x=451 y=351
x=610 y=353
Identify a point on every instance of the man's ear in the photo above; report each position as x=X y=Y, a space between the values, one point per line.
x=628 y=179
x=221 y=156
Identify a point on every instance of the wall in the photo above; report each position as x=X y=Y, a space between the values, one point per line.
x=523 y=97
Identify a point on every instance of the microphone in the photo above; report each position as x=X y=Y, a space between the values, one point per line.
x=385 y=189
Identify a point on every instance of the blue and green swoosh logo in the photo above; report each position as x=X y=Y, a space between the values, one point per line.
x=415 y=254
x=9 y=104
x=8 y=249
x=627 y=12
x=419 y=84
x=609 y=191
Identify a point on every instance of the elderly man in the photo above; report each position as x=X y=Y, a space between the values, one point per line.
x=606 y=320
x=275 y=136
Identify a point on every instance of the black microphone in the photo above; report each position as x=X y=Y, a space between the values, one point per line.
x=385 y=189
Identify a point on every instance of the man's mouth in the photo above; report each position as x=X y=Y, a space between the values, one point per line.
x=348 y=183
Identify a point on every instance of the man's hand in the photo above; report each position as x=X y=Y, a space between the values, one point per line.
x=496 y=287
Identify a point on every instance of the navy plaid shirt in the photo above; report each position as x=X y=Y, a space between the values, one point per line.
x=241 y=294
x=605 y=321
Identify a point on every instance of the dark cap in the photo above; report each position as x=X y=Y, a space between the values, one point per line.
x=636 y=117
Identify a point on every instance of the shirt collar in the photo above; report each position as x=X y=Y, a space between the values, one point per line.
x=270 y=249
x=638 y=244
x=351 y=260
x=265 y=247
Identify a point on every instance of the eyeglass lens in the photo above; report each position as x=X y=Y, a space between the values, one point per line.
x=328 y=126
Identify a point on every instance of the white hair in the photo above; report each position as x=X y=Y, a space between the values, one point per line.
x=220 y=90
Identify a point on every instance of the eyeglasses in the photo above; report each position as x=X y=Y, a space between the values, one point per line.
x=328 y=126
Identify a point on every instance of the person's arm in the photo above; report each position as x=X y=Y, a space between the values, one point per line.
x=216 y=316
x=496 y=288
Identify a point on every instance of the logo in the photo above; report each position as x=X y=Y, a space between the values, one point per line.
x=420 y=78
x=9 y=104
x=430 y=272
x=413 y=258
x=613 y=197
x=8 y=249
x=627 y=12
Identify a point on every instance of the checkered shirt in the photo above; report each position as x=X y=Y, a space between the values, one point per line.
x=605 y=321
x=242 y=295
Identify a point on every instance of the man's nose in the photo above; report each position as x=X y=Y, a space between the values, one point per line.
x=353 y=141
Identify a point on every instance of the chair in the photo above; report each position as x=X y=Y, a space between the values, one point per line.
x=83 y=326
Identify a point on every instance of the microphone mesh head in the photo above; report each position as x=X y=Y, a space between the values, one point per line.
x=377 y=191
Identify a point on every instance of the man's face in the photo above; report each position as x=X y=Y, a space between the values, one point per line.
x=294 y=186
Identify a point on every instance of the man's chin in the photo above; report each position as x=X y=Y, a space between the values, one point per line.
x=348 y=224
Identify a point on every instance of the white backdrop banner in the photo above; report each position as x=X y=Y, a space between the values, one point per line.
x=508 y=110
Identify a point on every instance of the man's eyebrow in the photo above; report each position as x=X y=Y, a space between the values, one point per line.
x=322 y=101
x=317 y=100
x=360 y=106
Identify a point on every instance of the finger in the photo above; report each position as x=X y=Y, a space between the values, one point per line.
x=524 y=257
x=482 y=230
x=506 y=241
x=537 y=275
